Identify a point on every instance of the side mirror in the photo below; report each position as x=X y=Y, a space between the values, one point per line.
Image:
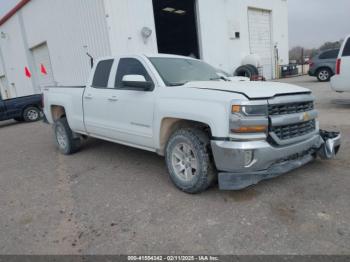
x=137 y=82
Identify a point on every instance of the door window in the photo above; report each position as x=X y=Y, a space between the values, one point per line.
x=102 y=72
x=346 y=51
x=130 y=66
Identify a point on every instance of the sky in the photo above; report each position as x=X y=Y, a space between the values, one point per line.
x=311 y=22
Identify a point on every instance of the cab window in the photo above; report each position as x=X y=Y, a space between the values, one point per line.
x=102 y=72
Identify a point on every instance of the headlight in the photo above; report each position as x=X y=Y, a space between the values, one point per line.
x=249 y=117
x=250 y=110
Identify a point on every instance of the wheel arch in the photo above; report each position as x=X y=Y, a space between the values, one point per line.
x=169 y=125
x=57 y=112
x=324 y=67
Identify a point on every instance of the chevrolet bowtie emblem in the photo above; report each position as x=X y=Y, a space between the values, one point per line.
x=306 y=117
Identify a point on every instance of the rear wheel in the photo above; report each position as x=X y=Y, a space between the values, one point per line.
x=67 y=142
x=188 y=160
x=324 y=74
x=31 y=114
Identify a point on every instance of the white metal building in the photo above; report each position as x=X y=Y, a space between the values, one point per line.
x=57 y=34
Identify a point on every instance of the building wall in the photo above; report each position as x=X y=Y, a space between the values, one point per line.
x=125 y=20
x=14 y=56
x=69 y=28
x=105 y=27
x=219 y=19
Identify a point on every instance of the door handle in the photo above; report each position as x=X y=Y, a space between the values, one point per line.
x=88 y=96
x=113 y=99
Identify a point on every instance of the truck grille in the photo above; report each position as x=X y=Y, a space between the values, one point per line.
x=291 y=108
x=294 y=130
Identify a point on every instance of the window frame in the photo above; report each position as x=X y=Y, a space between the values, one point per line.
x=109 y=76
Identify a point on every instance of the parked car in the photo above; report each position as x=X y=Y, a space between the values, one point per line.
x=179 y=107
x=322 y=65
x=27 y=108
x=341 y=80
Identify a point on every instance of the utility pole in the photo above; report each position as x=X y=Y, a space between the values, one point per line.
x=302 y=61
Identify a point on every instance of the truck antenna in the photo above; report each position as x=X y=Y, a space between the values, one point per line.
x=91 y=59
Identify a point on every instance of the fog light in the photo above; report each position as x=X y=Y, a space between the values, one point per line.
x=248 y=157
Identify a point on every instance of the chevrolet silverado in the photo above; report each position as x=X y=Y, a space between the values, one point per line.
x=204 y=124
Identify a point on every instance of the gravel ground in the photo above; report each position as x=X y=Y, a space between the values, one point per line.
x=111 y=199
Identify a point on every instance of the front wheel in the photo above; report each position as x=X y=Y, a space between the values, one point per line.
x=67 y=142
x=188 y=160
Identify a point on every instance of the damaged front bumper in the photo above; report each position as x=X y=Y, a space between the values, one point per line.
x=242 y=164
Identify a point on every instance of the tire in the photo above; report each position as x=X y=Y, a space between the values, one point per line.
x=253 y=69
x=31 y=114
x=67 y=142
x=324 y=74
x=245 y=71
x=188 y=160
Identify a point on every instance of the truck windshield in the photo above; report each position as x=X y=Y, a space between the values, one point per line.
x=179 y=71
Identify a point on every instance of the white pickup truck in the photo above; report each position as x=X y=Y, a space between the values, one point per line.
x=206 y=125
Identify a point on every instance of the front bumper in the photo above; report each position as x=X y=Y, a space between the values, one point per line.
x=242 y=164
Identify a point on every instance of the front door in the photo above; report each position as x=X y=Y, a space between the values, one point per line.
x=131 y=114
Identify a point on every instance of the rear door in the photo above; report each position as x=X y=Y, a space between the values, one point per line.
x=95 y=100
x=328 y=59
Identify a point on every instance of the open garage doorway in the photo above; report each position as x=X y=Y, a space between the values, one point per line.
x=176 y=26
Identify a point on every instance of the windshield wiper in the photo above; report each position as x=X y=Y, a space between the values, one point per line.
x=177 y=84
x=219 y=78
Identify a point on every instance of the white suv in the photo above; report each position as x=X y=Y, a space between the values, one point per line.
x=341 y=80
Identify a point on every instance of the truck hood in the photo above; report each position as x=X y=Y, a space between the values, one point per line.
x=252 y=90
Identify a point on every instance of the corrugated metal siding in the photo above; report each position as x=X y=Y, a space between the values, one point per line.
x=13 y=51
x=2 y=71
x=70 y=29
x=126 y=18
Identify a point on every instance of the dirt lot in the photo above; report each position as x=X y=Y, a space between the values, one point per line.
x=110 y=199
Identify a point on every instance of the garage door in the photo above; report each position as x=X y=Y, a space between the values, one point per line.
x=43 y=65
x=260 y=39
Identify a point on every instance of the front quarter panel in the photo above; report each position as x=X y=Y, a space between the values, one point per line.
x=208 y=107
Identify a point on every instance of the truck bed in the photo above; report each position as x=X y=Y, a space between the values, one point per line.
x=69 y=97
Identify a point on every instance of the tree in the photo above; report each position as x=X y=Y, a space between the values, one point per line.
x=299 y=53
x=331 y=45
